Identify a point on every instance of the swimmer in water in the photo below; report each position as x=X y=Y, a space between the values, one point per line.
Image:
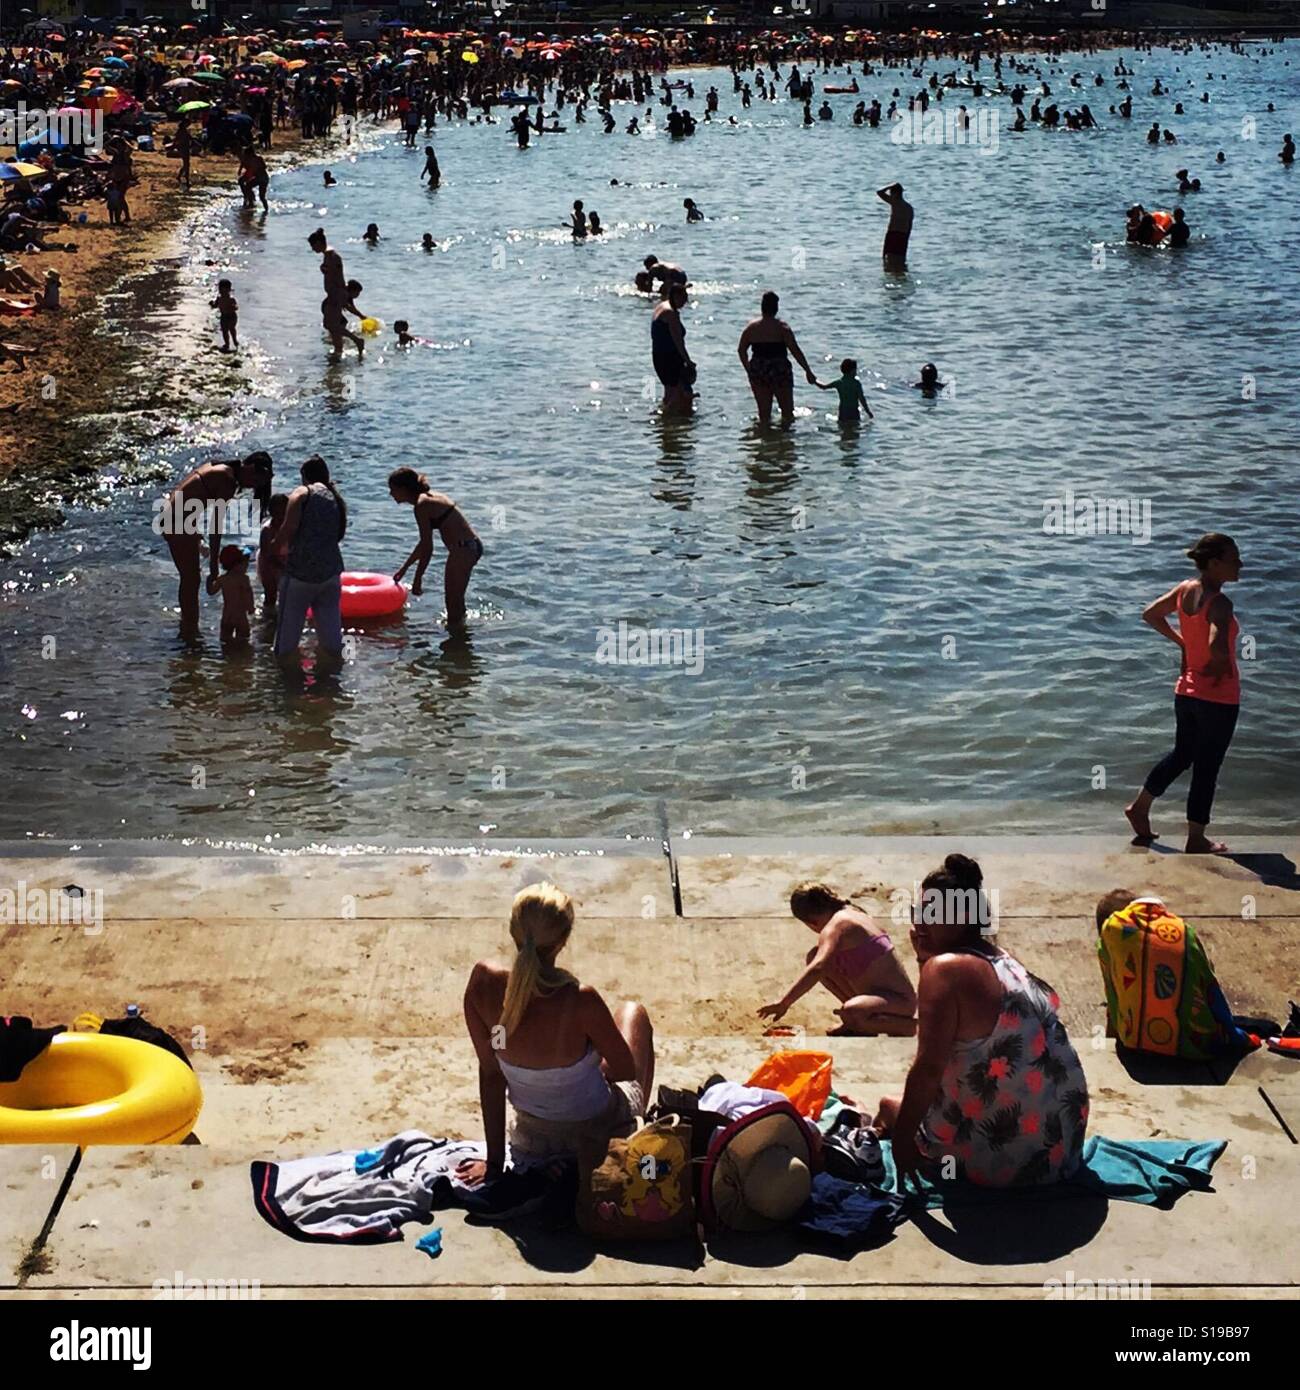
x=578 y=220
x=427 y=242
x=593 y=221
x=1287 y=153
x=644 y=282
x=330 y=180
x=664 y=271
x=850 y=391
x=431 y=171
x=693 y=214
x=403 y=331
x=853 y=959
x=371 y=234
x=1180 y=233
x=929 y=384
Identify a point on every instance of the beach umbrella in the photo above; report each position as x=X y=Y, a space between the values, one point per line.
x=177 y=83
x=209 y=77
x=115 y=62
x=469 y=56
x=192 y=106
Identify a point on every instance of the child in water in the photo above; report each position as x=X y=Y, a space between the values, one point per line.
x=228 y=309
x=929 y=384
x=330 y=180
x=578 y=221
x=427 y=242
x=851 y=395
x=693 y=214
x=403 y=331
x=856 y=962
x=593 y=220
x=371 y=234
x=236 y=595
x=272 y=553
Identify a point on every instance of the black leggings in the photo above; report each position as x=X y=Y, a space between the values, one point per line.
x=1202 y=733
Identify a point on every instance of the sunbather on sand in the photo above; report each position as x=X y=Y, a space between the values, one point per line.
x=856 y=961
x=573 y=1069
x=996 y=1095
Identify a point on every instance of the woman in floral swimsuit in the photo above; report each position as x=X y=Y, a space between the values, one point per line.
x=996 y=1095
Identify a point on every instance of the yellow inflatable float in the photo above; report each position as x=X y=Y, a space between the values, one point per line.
x=93 y=1088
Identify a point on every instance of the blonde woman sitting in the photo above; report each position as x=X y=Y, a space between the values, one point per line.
x=573 y=1070
x=856 y=961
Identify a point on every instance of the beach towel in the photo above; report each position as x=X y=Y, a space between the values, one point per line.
x=365 y=1197
x=1161 y=994
x=1153 y=1173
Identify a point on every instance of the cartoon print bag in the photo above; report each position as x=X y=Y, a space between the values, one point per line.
x=639 y=1188
x=1161 y=994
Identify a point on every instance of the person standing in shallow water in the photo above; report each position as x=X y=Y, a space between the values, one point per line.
x=436 y=512
x=899 y=231
x=765 y=349
x=315 y=522
x=204 y=492
x=672 y=362
x=1207 y=697
x=337 y=301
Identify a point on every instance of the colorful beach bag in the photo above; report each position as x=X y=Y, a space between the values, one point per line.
x=1161 y=994
x=639 y=1188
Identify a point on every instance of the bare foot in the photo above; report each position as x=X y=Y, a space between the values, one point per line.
x=1141 y=823
x=1205 y=846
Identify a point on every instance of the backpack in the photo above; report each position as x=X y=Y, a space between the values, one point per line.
x=1161 y=994
x=639 y=1188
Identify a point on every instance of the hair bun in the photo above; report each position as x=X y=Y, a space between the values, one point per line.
x=964 y=870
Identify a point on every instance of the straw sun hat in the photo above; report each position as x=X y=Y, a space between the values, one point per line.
x=760 y=1173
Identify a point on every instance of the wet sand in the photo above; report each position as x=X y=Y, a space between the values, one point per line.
x=51 y=456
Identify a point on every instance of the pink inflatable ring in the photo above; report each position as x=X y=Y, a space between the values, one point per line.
x=371 y=596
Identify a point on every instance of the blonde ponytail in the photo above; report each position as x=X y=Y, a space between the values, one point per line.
x=541 y=919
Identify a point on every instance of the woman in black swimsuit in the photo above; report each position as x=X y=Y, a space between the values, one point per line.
x=765 y=349
x=435 y=511
x=672 y=363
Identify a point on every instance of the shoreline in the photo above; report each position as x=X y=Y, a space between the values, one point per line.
x=79 y=366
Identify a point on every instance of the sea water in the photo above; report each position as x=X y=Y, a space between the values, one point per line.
x=916 y=626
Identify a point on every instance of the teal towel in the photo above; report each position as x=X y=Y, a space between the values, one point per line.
x=1154 y=1172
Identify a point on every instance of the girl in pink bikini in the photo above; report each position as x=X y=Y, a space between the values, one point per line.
x=855 y=960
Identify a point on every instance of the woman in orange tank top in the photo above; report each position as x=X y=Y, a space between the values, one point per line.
x=1208 y=694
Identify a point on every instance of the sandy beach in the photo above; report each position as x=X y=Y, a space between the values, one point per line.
x=51 y=456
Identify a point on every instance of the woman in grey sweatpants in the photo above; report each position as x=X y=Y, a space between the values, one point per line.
x=314 y=524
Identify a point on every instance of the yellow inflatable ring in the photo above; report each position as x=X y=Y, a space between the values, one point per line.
x=88 y=1088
